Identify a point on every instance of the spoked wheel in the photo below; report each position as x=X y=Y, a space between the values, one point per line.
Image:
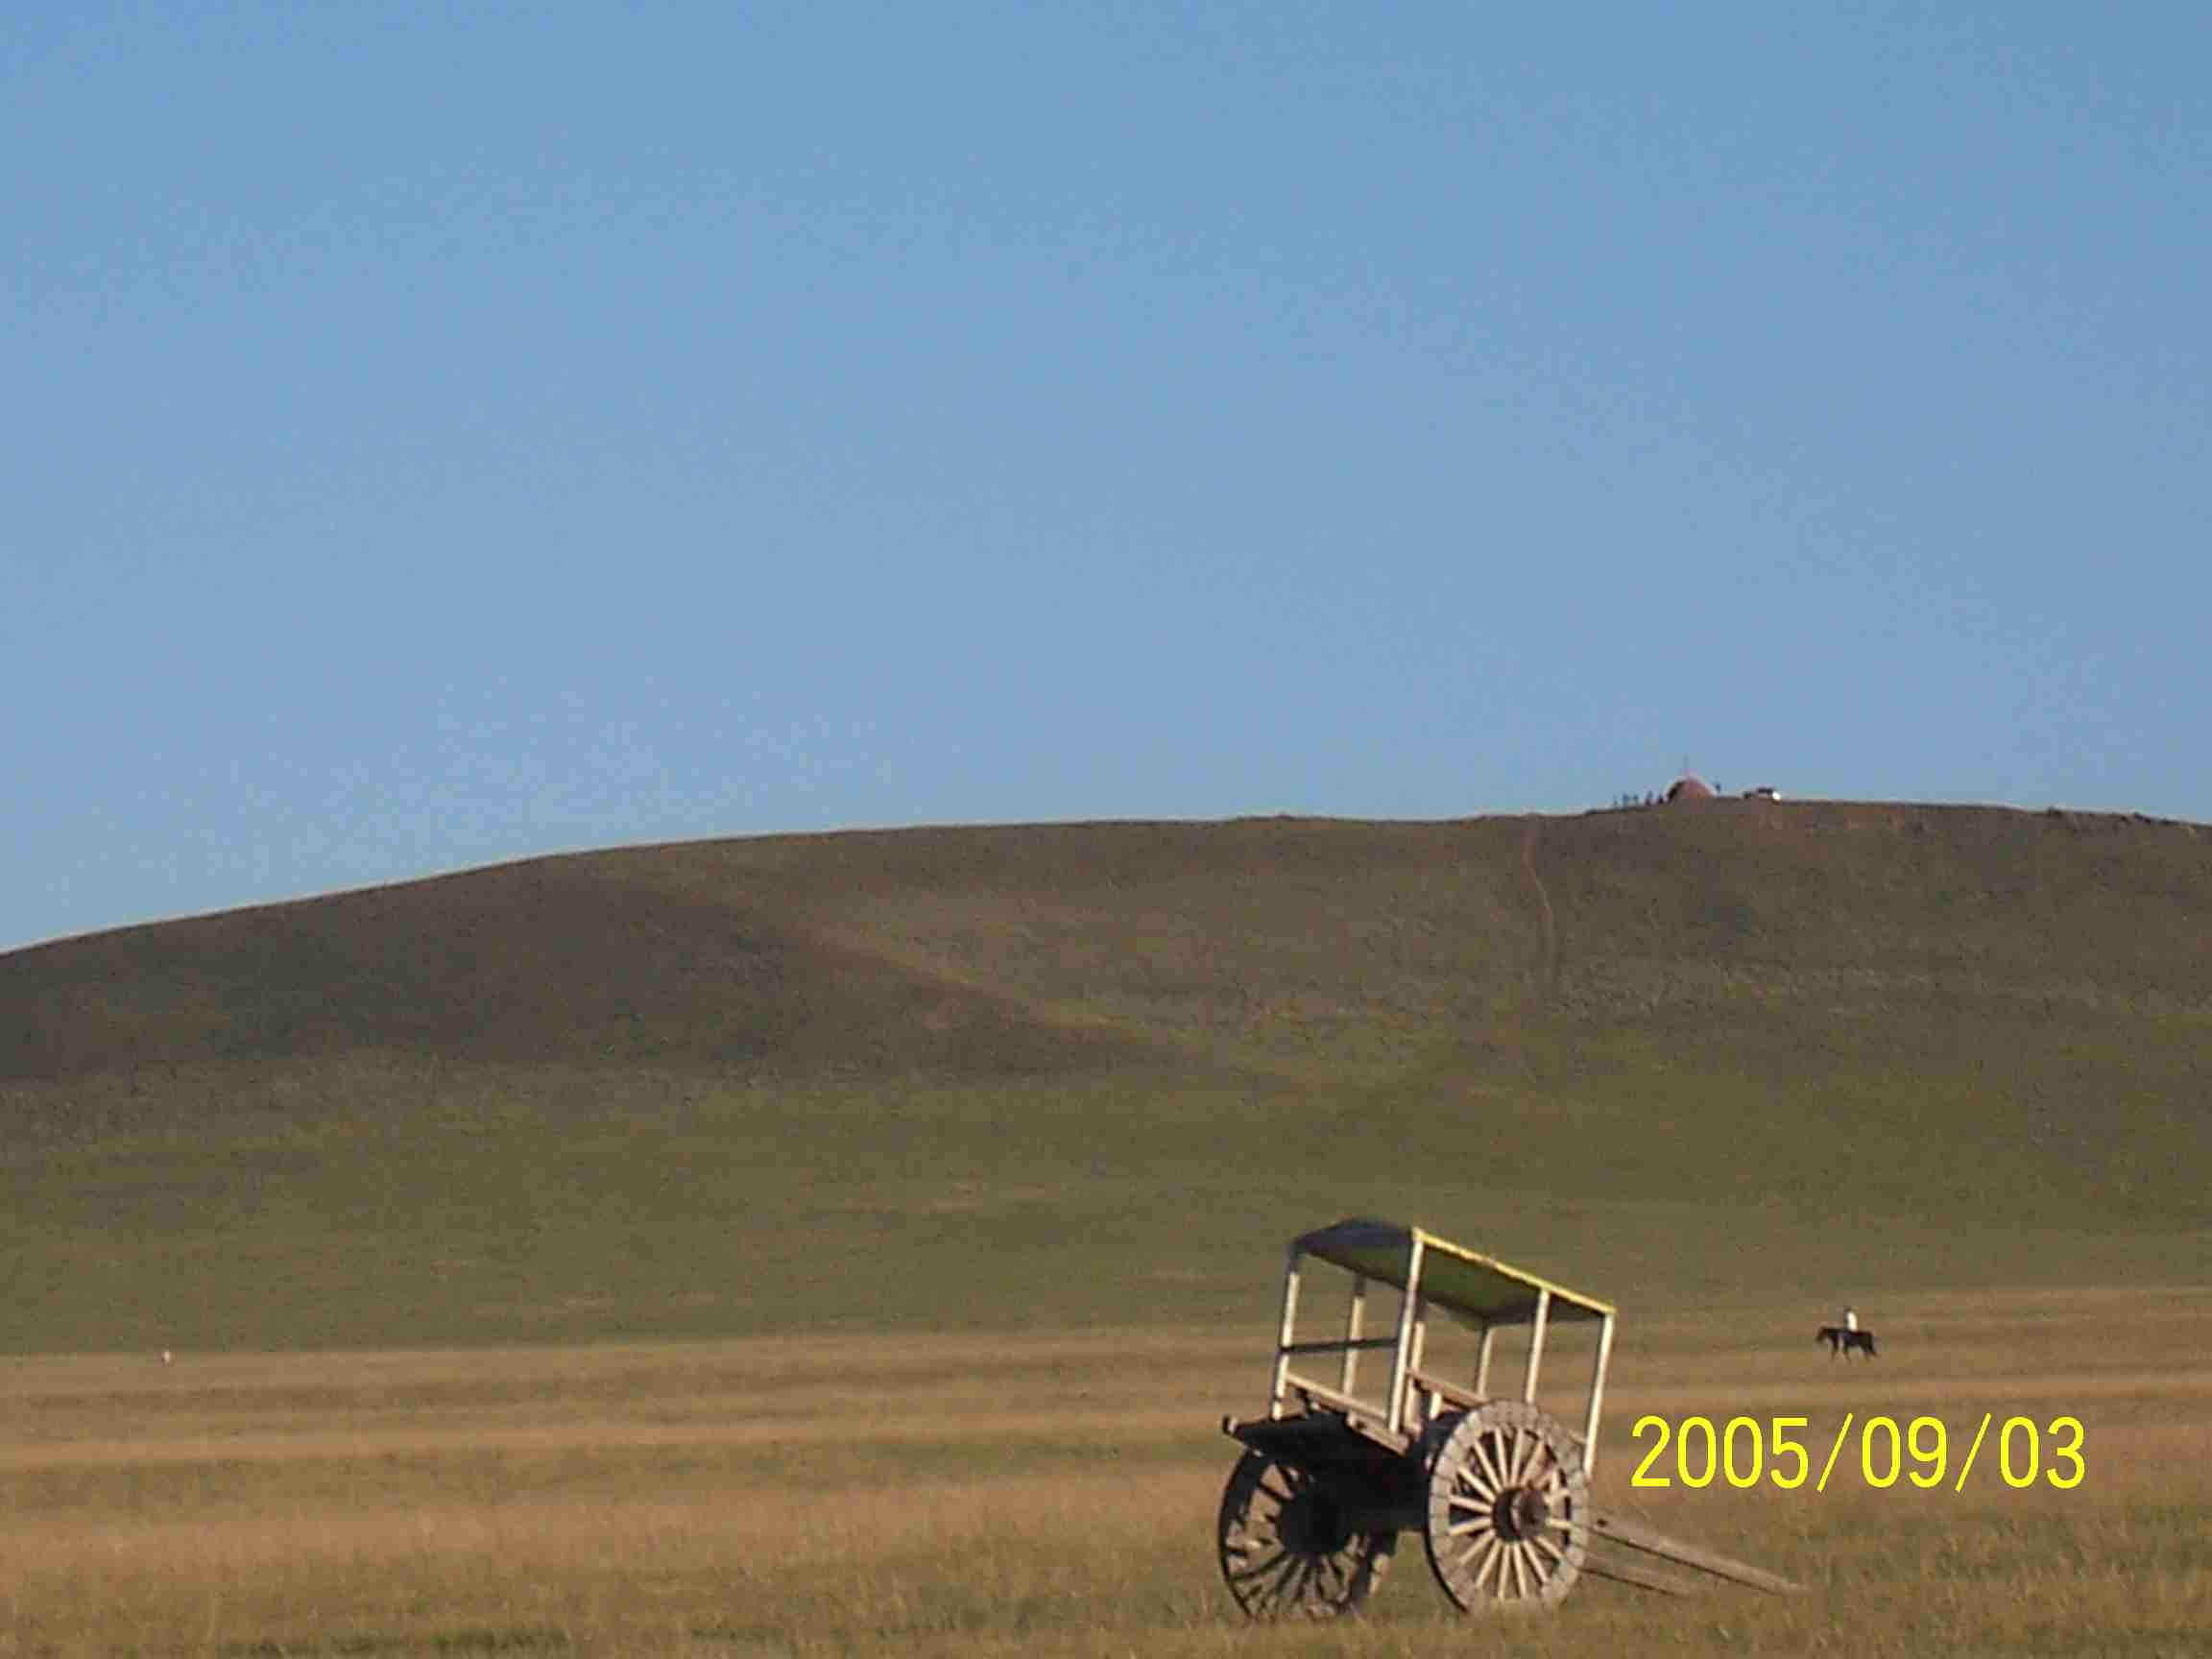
x=1508 y=1509
x=1287 y=1547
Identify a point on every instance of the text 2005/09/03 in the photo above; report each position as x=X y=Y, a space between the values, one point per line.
x=1743 y=1452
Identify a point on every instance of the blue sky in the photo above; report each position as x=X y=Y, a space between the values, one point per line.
x=440 y=434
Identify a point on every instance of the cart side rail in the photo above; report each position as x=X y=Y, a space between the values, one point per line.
x=1432 y=1275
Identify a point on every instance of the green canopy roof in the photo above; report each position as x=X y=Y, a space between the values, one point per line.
x=1454 y=1277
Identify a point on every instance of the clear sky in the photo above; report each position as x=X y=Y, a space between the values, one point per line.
x=440 y=434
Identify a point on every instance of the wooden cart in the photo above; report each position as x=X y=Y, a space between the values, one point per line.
x=1498 y=1487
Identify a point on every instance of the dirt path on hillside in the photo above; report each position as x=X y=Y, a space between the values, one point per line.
x=1548 y=964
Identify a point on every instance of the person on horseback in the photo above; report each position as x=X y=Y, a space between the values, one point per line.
x=1850 y=1317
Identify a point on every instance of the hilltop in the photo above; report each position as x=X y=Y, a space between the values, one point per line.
x=1088 y=1073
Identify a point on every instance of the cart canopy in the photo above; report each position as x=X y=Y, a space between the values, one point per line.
x=1466 y=1282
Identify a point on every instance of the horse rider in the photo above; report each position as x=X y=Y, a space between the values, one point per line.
x=1850 y=1319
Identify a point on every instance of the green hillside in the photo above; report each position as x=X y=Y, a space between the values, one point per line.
x=1714 y=1056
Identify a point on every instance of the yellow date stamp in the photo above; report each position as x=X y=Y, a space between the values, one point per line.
x=1745 y=1451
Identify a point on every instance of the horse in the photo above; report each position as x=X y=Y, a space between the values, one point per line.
x=1842 y=1340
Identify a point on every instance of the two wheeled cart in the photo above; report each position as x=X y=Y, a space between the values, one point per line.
x=1498 y=1487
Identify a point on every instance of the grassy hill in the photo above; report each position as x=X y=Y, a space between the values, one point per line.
x=1689 y=1057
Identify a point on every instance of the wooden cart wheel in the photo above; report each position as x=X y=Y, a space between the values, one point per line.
x=1508 y=1509
x=1287 y=1548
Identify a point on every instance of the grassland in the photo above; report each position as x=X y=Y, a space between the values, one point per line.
x=1047 y=1493
x=844 y=1243
x=946 y=1079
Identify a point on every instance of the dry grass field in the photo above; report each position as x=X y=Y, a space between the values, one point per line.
x=1042 y=1493
x=851 y=1243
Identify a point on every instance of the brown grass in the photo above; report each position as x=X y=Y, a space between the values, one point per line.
x=1051 y=1493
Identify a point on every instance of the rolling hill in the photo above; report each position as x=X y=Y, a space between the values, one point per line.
x=1727 y=1054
